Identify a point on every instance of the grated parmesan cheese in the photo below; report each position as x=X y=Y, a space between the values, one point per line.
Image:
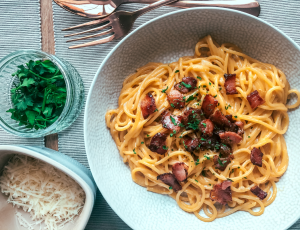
x=49 y=195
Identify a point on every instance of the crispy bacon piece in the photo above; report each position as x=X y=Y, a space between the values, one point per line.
x=180 y=171
x=186 y=85
x=206 y=127
x=240 y=126
x=208 y=142
x=225 y=150
x=255 y=99
x=175 y=99
x=209 y=104
x=169 y=179
x=229 y=117
x=257 y=191
x=225 y=161
x=230 y=84
x=230 y=137
x=168 y=122
x=157 y=143
x=191 y=144
x=221 y=192
x=192 y=115
x=219 y=119
x=148 y=105
x=256 y=157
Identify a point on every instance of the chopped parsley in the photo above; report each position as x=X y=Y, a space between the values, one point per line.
x=186 y=85
x=172 y=105
x=215 y=95
x=142 y=142
x=230 y=179
x=170 y=187
x=209 y=83
x=235 y=116
x=176 y=71
x=190 y=98
x=202 y=139
x=197 y=162
x=196 y=180
x=173 y=121
x=248 y=136
x=220 y=162
x=155 y=110
x=194 y=124
x=245 y=177
x=134 y=151
x=204 y=86
x=164 y=90
x=220 y=88
x=165 y=147
x=203 y=125
x=207 y=157
x=148 y=135
x=199 y=78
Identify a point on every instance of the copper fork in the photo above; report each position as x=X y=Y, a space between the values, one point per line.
x=119 y=23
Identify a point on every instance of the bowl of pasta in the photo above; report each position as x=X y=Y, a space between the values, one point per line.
x=191 y=123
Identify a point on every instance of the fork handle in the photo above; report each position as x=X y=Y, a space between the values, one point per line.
x=247 y=6
x=152 y=6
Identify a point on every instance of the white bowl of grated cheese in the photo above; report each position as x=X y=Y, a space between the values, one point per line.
x=56 y=191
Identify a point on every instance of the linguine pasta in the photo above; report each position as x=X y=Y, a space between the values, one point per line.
x=263 y=128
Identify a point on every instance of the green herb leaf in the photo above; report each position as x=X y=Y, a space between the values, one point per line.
x=176 y=71
x=170 y=187
x=164 y=90
x=190 y=98
x=199 y=78
x=207 y=157
x=230 y=179
x=134 y=151
x=173 y=120
x=220 y=162
x=186 y=85
x=142 y=142
x=165 y=147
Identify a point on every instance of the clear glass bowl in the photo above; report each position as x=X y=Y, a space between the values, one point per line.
x=74 y=100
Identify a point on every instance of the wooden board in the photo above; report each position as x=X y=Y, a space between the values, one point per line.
x=48 y=45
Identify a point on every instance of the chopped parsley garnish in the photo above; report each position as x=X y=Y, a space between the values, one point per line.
x=39 y=97
x=165 y=147
x=148 y=135
x=173 y=121
x=203 y=125
x=235 y=116
x=209 y=184
x=220 y=88
x=199 y=78
x=204 y=86
x=155 y=110
x=197 y=162
x=220 y=162
x=196 y=180
x=202 y=139
x=245 y=177
x=186 y=85
x=230 y=179
x=207 y=157
x=173 y=105
x=209 y=83
x=248 y=136
x=170 y=187
x=142 y=142
x=190 y=98
x=164 y=90
x=215 y=95
x=193 y=125
x=176 y=71
x=134 y=151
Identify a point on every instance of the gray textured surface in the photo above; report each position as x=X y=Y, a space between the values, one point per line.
x=19 y=29
x=282 y=14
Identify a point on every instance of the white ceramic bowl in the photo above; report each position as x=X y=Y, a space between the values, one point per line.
x=165 y=39
x=66 y=164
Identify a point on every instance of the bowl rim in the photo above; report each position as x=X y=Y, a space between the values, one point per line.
x=58 y=62
x=106 y=197
x=90 y=195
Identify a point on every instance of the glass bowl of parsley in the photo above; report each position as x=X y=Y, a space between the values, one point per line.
x=40 y=94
